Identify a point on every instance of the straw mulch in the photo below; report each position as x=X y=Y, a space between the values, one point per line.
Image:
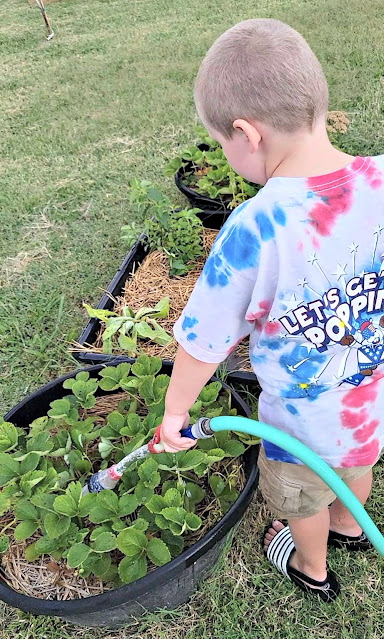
x=148 y=285
x=52 y=580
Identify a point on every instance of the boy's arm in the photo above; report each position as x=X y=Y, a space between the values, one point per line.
x=188 y=378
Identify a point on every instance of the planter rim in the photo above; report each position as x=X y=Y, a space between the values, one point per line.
x=118 y=596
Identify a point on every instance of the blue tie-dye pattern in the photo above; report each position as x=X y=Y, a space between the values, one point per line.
x=228 y=339
x=308 y=368
x=191 y=337
x=279 y=215
x=215 y=272
x=292 y=409
x=258 y=359
x=279 y=454
x=273 y=344
x=267 y=232
x=310 y=391
x=240 y=249
x=189 y=322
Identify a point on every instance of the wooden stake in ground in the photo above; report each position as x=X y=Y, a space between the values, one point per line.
x=41 y=6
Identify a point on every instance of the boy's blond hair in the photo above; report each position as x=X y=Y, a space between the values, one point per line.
x=261 y=70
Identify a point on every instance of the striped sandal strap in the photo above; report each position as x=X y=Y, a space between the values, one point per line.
x=280 y=550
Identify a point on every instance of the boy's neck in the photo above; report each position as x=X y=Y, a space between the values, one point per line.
x=306 y=155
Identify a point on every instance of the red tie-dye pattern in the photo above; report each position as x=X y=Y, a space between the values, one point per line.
x=235 y=345
x=338 y=201
x=365 y=432
x=369 y=453
x=271 y=328
x=264 y=308
x=359 y=395
x=373 y=176
x=350 y=419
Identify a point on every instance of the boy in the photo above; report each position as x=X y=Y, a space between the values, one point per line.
x=297 y=268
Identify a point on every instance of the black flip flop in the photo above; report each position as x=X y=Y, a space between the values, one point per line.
x=338 y=540
x=279 y=553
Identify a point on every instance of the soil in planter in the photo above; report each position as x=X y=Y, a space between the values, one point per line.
x=148 y=285
x=52 y=580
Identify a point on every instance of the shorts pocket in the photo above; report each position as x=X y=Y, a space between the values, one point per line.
x=281 y=495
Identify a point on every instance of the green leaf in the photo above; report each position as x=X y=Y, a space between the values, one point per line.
x=105 y=542
x=31 y=553
x=132 y=542
x=116 y=422
x=43 y=501
x=101 y=314
x=147 y=470
x=87 y=502
x=105 y=448
x=134 y=425
x=31 y=479
x=172 y=498
x=8 y=436
x=194 y=493
x=5 y=504
x=217 y=484
x=99 y=564
x=175 y=543
x=25 y=529
x=162 y=308
x=156 y=504
x=56 y=525
x=30 y=462
x=25 y=510
x=158 y=552
x=175 y=514
x=65 y=505
x=113 y=375
x=146 y=365
x=44 y=545
x=4 y=543
x=143 y=493
x=189 y=459
x=193 y=521
x=131 y=570
x=9 y=468
x=77 y=554
x=233 y=448
x=127 y=505
x=140 y=524
x=60 y=408
x=128 y=344
x=159 y=335
x=210 y=393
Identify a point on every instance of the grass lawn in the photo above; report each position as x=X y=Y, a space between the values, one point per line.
x=108 y=99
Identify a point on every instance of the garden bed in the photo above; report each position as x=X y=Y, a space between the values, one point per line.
x=53 y=583
x=143 y=280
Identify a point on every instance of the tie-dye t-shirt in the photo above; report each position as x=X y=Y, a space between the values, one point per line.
x=299 y=269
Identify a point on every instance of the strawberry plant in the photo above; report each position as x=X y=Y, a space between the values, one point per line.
x=209 y=173
x=128 y=326
x=113 y=535
x=177 y=233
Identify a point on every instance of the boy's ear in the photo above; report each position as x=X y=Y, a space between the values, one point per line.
x=251 y=132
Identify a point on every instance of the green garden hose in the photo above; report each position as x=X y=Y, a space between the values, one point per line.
x=313 y=461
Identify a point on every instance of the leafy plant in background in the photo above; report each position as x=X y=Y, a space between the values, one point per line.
x=112 y=535
x=209 y=173
x=129 y=326
x=178 y=233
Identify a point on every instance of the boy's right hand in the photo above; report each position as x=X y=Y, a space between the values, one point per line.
x=170 y=435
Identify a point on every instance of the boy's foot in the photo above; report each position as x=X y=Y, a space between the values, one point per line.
x=280 y=550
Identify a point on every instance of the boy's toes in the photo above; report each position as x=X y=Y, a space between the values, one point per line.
x=271 y=532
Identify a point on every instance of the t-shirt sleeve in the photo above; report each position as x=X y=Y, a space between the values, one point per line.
x=214 y=319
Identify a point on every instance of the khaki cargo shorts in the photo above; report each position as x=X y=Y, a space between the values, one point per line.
x=293 y=491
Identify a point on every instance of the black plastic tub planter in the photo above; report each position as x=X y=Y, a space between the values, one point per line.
x=164 y=588
x=220 y=206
